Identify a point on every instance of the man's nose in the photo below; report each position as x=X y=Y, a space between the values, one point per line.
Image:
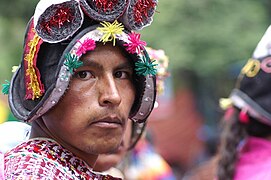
x=109 y=92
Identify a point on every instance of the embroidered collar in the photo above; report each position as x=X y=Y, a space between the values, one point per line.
x=48 y=150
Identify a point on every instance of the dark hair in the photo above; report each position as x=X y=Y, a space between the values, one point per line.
x=232 y=134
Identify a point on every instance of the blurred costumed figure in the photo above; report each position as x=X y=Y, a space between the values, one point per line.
x=245 y=152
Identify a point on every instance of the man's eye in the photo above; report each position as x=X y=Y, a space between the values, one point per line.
x=83 y=75
x=121 y=74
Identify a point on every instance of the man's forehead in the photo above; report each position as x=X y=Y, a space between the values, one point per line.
x=99 y=62
x=107 y=51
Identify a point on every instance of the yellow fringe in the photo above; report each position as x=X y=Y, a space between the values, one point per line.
x=34 y=83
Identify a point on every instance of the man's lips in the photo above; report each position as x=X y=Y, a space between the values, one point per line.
x=108 y=122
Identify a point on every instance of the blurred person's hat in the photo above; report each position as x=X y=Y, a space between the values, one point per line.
x=60 y=32
x=252 y=93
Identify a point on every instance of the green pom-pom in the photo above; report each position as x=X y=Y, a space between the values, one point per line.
x=145 y=67
x=72 y=62
x=5 y=87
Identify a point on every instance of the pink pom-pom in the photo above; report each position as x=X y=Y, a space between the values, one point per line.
x=87 y=45
x=135 y=45
x=243 y=117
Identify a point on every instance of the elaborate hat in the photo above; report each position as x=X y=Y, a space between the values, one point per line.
x=252 y=93
x=60 y=32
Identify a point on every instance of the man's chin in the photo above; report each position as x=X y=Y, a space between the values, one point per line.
x=112 y=150
x=106 y=149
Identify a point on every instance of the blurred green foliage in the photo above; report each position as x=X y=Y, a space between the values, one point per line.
x=206 y=36
x=14 y=16
x=208 y=41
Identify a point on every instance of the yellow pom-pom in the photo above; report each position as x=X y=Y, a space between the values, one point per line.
x=110 y=30
x=225 y=103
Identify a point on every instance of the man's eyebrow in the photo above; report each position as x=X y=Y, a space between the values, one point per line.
x=125 y=65
x=90 y=62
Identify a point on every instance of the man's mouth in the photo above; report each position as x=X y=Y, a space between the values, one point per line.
x=108 y=122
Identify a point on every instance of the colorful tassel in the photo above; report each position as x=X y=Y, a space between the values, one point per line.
x=145 y=67
x=5 y=87
x=87 y=45
x=135 y=45
x=72 y=62
x=110 y=30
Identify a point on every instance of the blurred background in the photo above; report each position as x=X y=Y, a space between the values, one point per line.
x=207 y=42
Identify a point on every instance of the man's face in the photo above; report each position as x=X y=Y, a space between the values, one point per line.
x=92 y=115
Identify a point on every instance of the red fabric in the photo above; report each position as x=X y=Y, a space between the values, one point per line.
x=29 y=37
